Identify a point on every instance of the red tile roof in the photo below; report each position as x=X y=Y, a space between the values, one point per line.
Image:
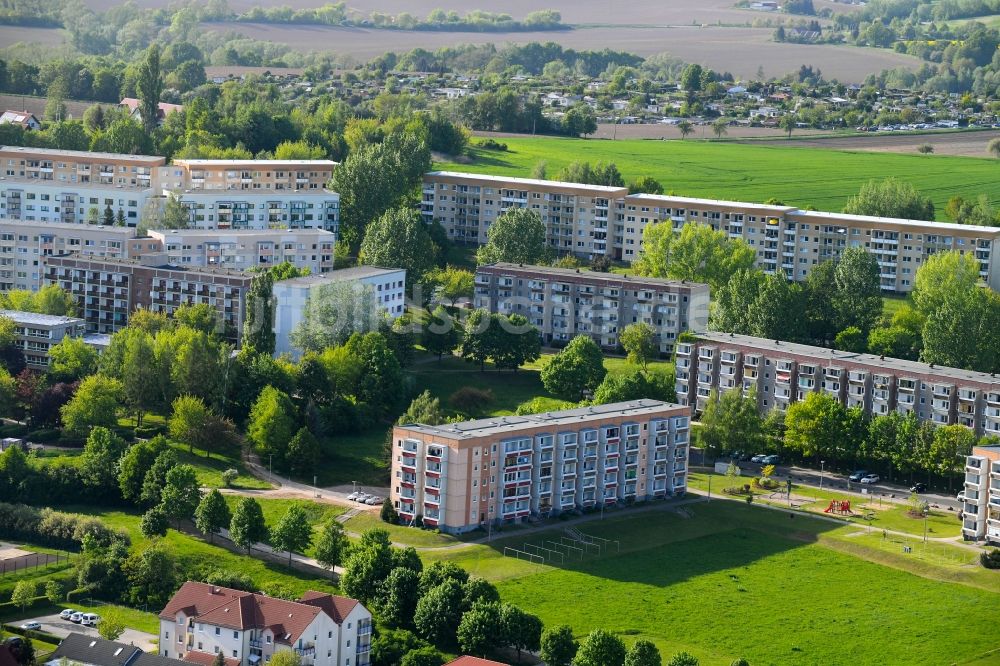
x=223 y=607
x=206 y=659
x=474 y=661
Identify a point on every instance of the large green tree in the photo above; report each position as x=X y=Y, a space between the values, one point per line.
x=212 y=514
x=398 y=239
x=639 y=342
x=149 y=85
x=247 y=526
x=293 y=533
x=600 y=648
x=94 y=404
x=516 y=236
x=181 y=494
x=698 y=254
x=890 y=198
x=815 y=426
x=858 y=299
x=578 y=368
x=558 y=646
x=272 y=424
x=732 y=422
x=943 y=274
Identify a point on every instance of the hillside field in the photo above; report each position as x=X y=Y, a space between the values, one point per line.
x=801 y=177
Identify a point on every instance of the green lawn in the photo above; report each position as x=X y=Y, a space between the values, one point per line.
x=800 y=177
x=732 y=581
x=274 y=509
x=892 y=304
x=403 y=536
x=211 y=467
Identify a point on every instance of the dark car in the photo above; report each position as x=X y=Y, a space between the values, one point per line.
x=858 y=475
x=918 y=488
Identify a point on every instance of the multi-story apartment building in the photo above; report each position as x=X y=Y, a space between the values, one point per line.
x=386 y=286
x=48 y=185
x=981 y=513
x=254 y=194
x=590 y=220
x=783 y=372
x=251 y=248
x=108 y=290
x=24 y=246
x=577 y=217
x=247 y=629
x=563 y=303
x=34 y=334
x=45 y=185
x=462 y=475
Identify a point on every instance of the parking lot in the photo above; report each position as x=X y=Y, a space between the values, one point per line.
x=55 y=625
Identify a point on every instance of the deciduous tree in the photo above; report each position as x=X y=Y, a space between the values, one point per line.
x=517 y=236
x=212 y=514
x=247 y=526
x=293 y=533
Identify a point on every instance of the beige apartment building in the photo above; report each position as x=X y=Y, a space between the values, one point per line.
x=460 y=476
x=107 y=291
x=24 y=247
x=248 y=248
x=45 y=185
x=590 y=221
x=781 y=373
x=563 y=303
x=35 y=334
x=981 y=513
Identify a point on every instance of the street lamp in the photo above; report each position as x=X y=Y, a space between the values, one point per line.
x=821 y=470
x=354 y=485
x=270 y=471
x=926 y=511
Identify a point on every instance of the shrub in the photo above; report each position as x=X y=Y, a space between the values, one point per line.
x=389 y=514
x=149 y=431
x=229 y=476
x=925 y=149
x=491 y=144
x=990 y=558
x=43 y=435
x=470 y=399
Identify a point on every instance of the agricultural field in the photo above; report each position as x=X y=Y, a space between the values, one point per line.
x=803 y=592
x=824 y=179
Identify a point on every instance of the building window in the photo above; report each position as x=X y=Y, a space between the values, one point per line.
x=218 y=631
x=234 y=653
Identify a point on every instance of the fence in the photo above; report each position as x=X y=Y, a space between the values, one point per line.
x=32 y=561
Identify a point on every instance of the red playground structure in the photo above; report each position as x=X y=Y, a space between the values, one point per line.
x=838 y=506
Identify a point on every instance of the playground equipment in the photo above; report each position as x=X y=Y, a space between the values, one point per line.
x=842 y=507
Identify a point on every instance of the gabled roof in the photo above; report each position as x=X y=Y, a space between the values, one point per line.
x=92 y=650
x=474 y=661
x=206 y=659
x=22 y=118
x=338 y=608
x=235 y=609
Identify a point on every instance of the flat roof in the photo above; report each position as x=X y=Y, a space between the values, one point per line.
x=341 y=275
x=258 y=163
x=42 y=226
x=139 y=262
x=617 y=278
x=695 y=201
x=920 y=224
x=247 y=233
x=528 y=181
x=509 y=424
x=22 y=317
x=897 y=366
x=81 y=154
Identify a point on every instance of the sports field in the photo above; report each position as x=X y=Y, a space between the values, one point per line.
x=728 y=580
x=802 y=177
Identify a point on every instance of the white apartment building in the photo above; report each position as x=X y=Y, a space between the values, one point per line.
x=783 y=372
x=24 y=247
x=249 y=248
x=460 y=476
x=47 y=185
x=387 y=286
x=35 y=334
x=981 y=513
x=203 y=620
x=563 y=303
x=590 y=220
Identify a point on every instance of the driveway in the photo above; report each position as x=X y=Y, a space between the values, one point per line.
x=55 y=625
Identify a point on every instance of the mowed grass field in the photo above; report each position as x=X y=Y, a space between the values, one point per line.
x=735 y=581
x=802 y=177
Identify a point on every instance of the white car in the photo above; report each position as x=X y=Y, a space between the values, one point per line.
x=362 y=497
x=76 y=617
x=353 y=496
x=90 y=619
x=960 y=497
x=870 y=478
x=67 y=614
x=31 y=626
x=372 y=501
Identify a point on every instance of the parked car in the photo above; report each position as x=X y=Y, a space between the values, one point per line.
x=918 y=488
x=353 y=496
x=31 y=626
x=771 y=459
x=67 y=614
x=373 y=500
x=870 y=478
x=76 y=617
x=960 y=497
x=758 y=458
x=858 y=475
x=90 y=619
x=363 y=497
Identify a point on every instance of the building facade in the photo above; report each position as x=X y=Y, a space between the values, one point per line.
x=563 y=303
x=107 y=291
x=386 y=286
x=24 y=247
x=781 y=373
x=34 y=334
x=981 y=513
x=47 y=185
x=460 y=476
x=245 y=249
x=591 y=220
x=202 y=621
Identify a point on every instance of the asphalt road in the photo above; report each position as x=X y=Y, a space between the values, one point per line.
x=55 y=625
